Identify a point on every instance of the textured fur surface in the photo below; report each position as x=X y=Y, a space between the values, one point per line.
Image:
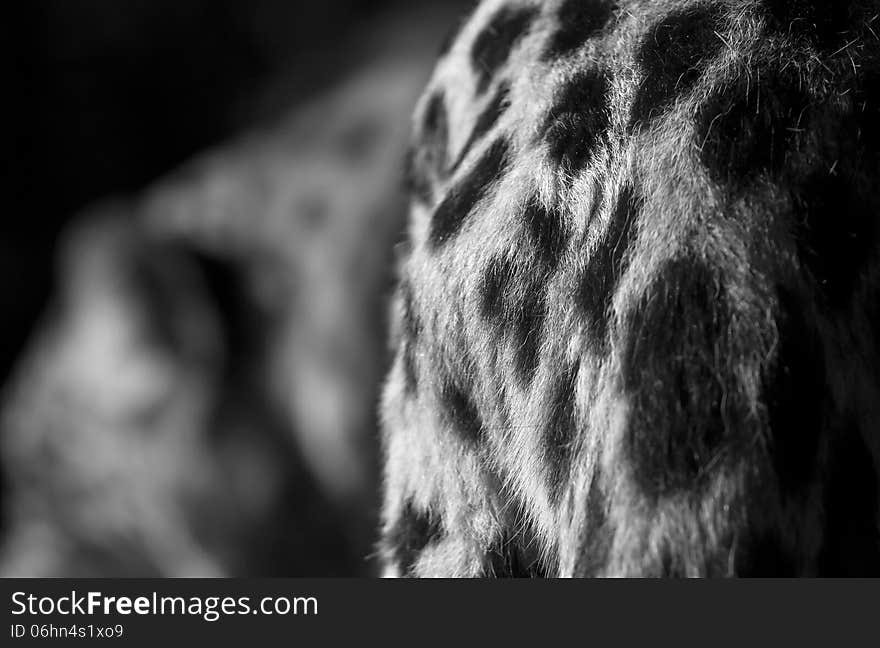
x=637 y=322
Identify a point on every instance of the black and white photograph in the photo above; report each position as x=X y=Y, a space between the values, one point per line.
x=441 y=289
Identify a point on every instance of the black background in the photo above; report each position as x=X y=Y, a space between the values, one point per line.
x=109 y=94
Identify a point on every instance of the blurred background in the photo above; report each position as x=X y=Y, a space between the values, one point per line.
x=206 y=196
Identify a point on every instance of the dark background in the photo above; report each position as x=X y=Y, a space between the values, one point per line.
x=109 y=94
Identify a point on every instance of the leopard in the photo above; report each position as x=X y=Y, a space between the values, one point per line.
x=636 y=328
x=198 y=400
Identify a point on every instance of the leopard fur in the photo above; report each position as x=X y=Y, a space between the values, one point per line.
x=200 y=398
x=637 y=327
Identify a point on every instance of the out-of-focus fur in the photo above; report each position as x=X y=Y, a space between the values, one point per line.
x=200 y=400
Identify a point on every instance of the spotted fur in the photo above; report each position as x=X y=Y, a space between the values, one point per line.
x=637 y=330
x=200 y=398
